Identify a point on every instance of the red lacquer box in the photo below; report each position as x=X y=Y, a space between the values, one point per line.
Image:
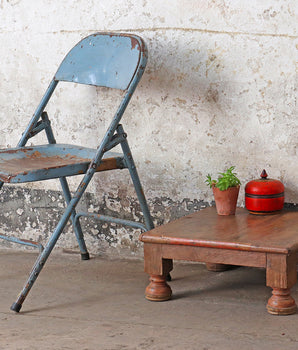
x=264 y=196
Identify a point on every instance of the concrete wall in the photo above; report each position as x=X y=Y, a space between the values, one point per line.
x=220 y=89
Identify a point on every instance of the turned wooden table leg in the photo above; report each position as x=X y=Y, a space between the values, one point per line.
x=281 y=275
x=158 y=289
x=281 y=302
x=159 y=270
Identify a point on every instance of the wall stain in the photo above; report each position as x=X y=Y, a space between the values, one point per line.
x=33 y=214
x=176 y=29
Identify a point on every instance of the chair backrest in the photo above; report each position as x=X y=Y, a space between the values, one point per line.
x=104 y=59
x=113 y=60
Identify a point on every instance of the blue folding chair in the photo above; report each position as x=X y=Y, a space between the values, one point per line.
x=103 y=59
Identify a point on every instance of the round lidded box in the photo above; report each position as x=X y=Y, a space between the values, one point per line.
x=264 y=196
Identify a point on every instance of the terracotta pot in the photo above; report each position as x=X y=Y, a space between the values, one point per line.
x=226 y=200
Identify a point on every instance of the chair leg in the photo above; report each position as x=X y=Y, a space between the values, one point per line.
x=136 y=180
x=75 y=223
x=42 y=258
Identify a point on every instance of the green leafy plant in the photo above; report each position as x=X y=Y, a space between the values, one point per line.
x=224 y=180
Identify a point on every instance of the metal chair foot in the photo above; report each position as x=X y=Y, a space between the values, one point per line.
x=85 y=256
x=16 y=307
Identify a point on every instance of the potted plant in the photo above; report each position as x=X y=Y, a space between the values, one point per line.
x=225 y=190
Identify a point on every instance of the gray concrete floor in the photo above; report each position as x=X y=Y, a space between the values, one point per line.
x=100 y=304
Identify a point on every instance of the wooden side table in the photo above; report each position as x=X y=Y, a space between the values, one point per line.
x=270 y=242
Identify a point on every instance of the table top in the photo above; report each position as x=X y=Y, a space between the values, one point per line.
x=276 y=233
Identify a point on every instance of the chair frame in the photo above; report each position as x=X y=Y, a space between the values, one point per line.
x=114 y=136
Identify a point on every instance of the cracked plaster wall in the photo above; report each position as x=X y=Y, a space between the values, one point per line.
x=220 y=89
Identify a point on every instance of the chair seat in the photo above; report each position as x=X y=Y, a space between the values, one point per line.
x=27 y=164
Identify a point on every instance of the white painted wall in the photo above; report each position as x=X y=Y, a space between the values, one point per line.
x=220 y=88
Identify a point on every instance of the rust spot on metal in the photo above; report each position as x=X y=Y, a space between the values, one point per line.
x=13 y=151
x=5 y=178
x=134 y=43
x=37 y=161
x=35 y=155
x=107 y=164
x=29 y=241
